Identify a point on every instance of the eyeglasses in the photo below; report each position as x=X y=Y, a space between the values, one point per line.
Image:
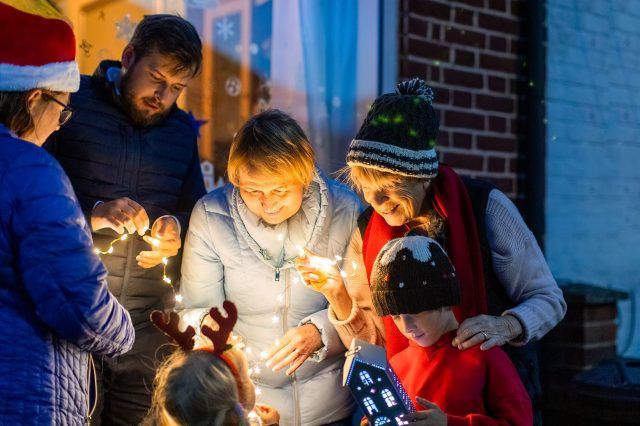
x=66 y=112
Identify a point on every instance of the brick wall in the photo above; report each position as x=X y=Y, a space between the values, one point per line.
x=583 y=339
x=593 y=150
x=471 y=53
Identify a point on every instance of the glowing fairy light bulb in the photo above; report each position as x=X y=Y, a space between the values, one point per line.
x=179 y=298
x=321 y=263
x=300 y=251
x=258 y=391
x=248 y=350
x=277 y=342
x=124 y=237
x=167 y=280
x=110 y=250
x=343 y=274
x=256 y=369
x=253 y=418
x=155 y=242
x=338 y=258
x=280 y=237
x=354 y=265
x=96 y=251
x=275 y=319
x=165 y=261
x=264 y=355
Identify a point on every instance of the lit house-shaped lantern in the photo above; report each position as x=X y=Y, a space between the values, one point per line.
x=374 y=385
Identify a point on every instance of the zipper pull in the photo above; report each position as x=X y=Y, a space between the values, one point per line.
x=277 y=274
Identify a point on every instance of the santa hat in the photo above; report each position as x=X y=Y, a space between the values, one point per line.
x=38 y=49
x=399 y=133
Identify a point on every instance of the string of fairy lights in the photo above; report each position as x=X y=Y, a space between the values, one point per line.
x=155 y=243
x=255 y=367
x=325 y=265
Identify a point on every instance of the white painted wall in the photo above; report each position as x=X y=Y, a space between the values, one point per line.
x=593 y=149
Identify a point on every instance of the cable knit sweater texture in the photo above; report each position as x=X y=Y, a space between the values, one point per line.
x=518 y=264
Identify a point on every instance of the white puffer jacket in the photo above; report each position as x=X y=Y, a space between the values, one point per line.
x=229 y=254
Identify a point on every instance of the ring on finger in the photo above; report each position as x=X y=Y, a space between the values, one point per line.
x=484 y=334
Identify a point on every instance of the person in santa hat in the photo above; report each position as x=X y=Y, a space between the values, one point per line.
x=55 y=308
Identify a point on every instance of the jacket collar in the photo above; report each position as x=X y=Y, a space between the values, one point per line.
x=4 y=131
x=303 y=229
x=104 y=74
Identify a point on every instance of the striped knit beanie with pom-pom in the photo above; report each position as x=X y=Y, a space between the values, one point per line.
x=399 y=133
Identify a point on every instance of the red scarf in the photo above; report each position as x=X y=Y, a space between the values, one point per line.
x=452 y=203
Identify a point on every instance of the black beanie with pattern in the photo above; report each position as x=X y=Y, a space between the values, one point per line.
x=413 y=274
x=399 y=133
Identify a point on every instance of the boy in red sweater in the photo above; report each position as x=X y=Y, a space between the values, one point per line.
x=414 y=281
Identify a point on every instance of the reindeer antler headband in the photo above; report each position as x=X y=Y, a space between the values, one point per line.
x=185 y=338
x=219 y=337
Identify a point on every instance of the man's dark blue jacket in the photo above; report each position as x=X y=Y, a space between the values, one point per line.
x=107 y=157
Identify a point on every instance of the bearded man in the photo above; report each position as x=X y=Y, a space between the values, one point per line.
x=132 y=157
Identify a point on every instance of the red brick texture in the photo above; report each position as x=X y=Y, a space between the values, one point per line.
x=471 y=52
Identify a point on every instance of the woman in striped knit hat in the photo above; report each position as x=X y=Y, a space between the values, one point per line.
x=508 y=296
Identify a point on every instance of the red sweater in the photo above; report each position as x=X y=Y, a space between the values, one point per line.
x=472 y=387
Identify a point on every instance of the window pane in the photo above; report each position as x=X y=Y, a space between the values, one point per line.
x=316 y=60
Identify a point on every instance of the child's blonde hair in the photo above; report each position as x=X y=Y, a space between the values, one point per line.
x=273 y=143
x=195 y=388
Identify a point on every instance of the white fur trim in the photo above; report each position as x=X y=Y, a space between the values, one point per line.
x=419 y=246
x=57 y=77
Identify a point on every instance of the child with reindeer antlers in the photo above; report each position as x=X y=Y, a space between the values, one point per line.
x=207 y=382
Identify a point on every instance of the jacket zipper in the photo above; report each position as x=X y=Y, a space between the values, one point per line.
x=91 y=373
x=134 y=140
x=285 y=313
x=127 y=273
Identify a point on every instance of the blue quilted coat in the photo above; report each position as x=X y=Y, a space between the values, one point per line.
x=55 y=308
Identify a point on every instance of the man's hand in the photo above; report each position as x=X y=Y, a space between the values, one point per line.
x=121 y=214
x=294 y=348
x=432 y=416
x=487 y=331
x=164 y=240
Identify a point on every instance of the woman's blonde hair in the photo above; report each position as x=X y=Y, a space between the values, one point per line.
x=196 y=389
x=273 y=143
x=405 y=186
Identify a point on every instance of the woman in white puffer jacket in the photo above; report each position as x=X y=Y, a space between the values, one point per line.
x=240 y=246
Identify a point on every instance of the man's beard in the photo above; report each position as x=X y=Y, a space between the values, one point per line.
x=137 y=116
